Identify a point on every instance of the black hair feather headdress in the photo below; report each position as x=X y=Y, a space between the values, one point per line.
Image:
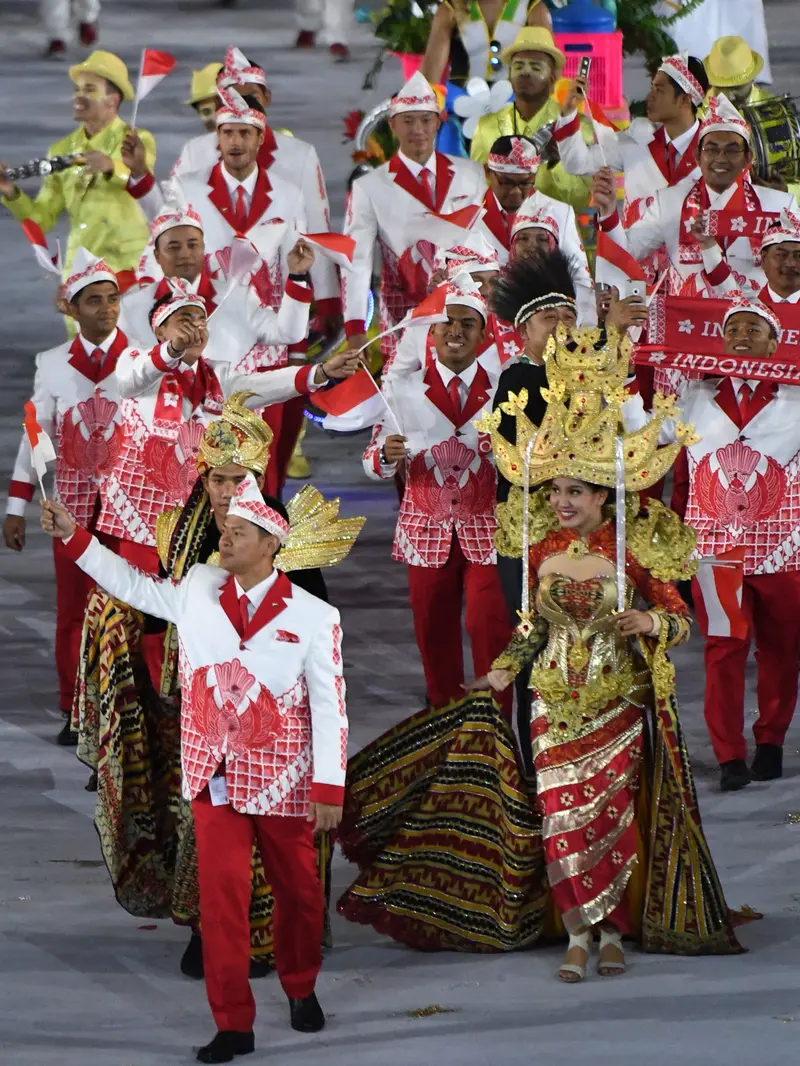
x=532 y=284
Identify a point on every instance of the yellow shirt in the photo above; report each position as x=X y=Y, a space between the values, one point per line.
x=104 y=218
x=552 y=181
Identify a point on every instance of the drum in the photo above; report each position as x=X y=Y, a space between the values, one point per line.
x=775 y=127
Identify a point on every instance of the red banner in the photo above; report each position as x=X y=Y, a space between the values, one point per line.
x=682 y=323
x=732 y=224
x=719 y=366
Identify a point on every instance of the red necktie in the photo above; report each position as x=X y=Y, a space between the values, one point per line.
x=240 y=211
x=745 y=403
x=426 y=181
x=672 y=160
x=244 y=612
x=455 y=393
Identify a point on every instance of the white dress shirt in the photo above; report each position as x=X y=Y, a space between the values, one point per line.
x=793 y=299
x=465 y=378
x=257 y=594
x=417 y=168
x=248 y=185
x=90 y=348
x=683 y=140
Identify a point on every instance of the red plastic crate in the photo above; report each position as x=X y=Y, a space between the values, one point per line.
x=605 y=76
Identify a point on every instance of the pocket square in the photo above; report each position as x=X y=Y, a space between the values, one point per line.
x=285 y=635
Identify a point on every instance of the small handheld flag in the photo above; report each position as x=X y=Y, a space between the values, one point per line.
x=42 y=451
x=154 y=68
x=337 y=247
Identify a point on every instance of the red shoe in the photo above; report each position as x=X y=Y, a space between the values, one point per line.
x=306 y=39
x=55 y=48
x=87 y=33
x=340 y=52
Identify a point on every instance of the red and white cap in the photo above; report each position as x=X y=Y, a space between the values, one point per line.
x=86 y=269
x=474 y=253
x=248 y=503
x=416 y=95
x=235 y=111
x=739 y=302
x=677 y=68
x=463 y=291
x=182 y=296
x=175 y=216
x=532 y=216
x=788 y=230
x=237 y=71
x=723 y=117
x=522 y=159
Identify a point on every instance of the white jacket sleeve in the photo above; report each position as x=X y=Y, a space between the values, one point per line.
x=275 y=385
x=160 y=598
x=581 y=158
x=326 y=697
x=318 y=218
x=290 y=324
x=149 y=195
x=643 y=237
x=362 y=225
x=138 y=369
x=409 y=354
x=24 y=479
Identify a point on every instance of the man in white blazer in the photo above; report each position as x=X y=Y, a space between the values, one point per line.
x=263 y=746
x=679 y=215
x=77 y=404
x=446 y=526
x=386 y=208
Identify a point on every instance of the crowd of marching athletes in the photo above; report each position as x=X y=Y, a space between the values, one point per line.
x=529 y=411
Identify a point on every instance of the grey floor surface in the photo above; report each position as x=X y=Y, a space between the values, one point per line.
x=84 y=984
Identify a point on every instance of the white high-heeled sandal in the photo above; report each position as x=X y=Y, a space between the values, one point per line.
x=610 y=938
x=584 y=942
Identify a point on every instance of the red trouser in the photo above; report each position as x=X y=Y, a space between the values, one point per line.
x=437 y=596
x=771 y=603
x=73 y=588
x=224 y=849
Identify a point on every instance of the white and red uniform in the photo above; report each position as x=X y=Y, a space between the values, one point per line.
x=78 y=405
x=263 y=703
x=496 y=226
x=501 y=343
x=446 y=526
x=384 y=206
x=166 y=406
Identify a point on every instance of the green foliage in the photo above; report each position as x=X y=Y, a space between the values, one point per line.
x=404 y=25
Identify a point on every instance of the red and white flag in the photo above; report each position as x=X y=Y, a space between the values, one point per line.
x=337 y=247
x=356 y=403
x=721 y=579
x=154 y=68
x=444 y=230
x=35 y=234
x=430 y=311
x=614 y=265
x=42 y=451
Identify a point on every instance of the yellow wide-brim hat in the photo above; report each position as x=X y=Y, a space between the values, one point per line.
x=535 y=39
x=732 y=62
x=105 y=65
x=204 y=83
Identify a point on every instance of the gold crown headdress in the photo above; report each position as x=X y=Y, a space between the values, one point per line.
x=317 y=536
x=239 y=436
x=583 y=421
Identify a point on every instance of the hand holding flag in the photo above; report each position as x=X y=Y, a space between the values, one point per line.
x=337 y=247
x=35 y=234
x=42 y=451
x=154 y=68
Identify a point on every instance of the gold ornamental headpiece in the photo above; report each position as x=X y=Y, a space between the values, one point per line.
x=579 y=430
x=317 y=536
x=239 y=436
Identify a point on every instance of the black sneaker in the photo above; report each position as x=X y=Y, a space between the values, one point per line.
x=306 y=1014
x=735 y=775
x=192 y=958
x=67 y=738
x=768 y=762
x=226 y=1045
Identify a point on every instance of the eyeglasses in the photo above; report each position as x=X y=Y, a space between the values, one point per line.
x=510 y=183
x=495 y=62
x=713 y=150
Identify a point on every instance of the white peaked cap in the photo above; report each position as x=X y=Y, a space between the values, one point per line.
x=463 y=291
x=738 y=302
x=85 y=270
x=248 y=503
x=788 y=230
x=723 y=117
x=416 y=95
x=237 y=71
x=473 y=253
x=236 y=111
x=531 y=215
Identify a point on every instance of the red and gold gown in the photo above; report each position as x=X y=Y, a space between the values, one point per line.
x=449 y=855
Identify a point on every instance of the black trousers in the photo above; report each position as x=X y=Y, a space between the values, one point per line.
x=510 y=571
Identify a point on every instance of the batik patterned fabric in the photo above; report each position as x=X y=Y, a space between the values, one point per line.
x=439 y=820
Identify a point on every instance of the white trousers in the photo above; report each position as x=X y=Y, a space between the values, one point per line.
x=330 y=18
x=57 y=16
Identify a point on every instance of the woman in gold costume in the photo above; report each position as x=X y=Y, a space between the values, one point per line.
x=612 y=843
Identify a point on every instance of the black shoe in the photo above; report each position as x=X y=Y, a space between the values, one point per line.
x=192 y=960
x=67 y=738
x=307 y=1016
x=735 y=775
x=768 y=762
x=259 y=968
x=226 y=1045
